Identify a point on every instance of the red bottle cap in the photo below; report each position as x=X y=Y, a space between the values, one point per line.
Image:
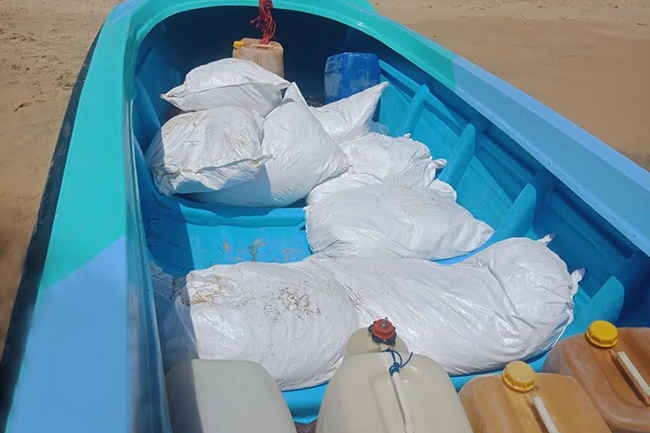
x=383 y=329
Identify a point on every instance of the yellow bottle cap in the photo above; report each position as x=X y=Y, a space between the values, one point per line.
x=602 y=334
x=519 y=376
x=238 y=44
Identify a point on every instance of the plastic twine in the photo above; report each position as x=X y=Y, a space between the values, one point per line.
x=265 y=21
x=397 y=365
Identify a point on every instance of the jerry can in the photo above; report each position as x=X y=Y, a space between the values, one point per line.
x=389 y=391
x=613 y=366
x=269 y=56
x=207 y=396
x=522 y=401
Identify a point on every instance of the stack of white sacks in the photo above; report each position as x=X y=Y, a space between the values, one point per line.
x=375 y=217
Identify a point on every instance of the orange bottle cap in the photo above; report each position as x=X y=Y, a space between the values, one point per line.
x=383 y=329
x=602 y=334
x=519 y=376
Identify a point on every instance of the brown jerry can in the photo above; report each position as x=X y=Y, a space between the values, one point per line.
x=522 y=401
x=613 y=366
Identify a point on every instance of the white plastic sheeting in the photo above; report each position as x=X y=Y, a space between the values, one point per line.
x=206 y=151
x=509 y=302
x=293 y=319
x=351 y=117
x=375 y=159
x=394 y=221
x=228 y=82
x=347 y=118
x=303 y=156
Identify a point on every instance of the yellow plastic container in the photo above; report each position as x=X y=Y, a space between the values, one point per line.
x=269 y=56
x=521 y=401
x=613 y=366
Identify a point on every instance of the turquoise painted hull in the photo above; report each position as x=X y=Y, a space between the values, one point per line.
x=83 y=351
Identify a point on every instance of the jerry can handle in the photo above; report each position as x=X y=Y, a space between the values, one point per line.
x=633 y=374
x=262 y=46
x=540 y=407
x=394 y=369
x=403 y=402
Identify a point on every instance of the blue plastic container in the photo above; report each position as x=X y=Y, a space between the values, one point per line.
x=349 y=73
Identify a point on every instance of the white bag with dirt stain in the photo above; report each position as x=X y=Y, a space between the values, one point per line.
x=293 y=319
x=511 y=301
x=206 y=151
x=228 y=82
x=303 y=156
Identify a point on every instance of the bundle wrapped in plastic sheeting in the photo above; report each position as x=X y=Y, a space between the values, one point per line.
x=228 y=82
x=376 y=159
x=303 y=156
x=293 y=319
x=207 y=151
x=511 y=301
x=394 y=221
x=347 y=118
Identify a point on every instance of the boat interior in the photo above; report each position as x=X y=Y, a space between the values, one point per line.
x=495 y=178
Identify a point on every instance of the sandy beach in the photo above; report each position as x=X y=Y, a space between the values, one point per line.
x=589 y=60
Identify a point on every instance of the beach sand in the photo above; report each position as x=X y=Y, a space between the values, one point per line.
x=589 y=60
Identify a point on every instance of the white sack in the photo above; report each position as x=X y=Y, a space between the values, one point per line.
x=350 y=117
x=347 y=118
x=233 y=82
x=293 y=319
x=206 y=151
x=375 y=159
x=509 y=302
x=397 y=221
x=303 y=155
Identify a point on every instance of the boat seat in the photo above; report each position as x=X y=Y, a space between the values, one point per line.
x=215 y=396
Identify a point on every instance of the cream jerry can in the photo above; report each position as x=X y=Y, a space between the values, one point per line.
x=381 y=388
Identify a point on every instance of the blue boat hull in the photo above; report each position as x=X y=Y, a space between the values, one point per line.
x=85 y=347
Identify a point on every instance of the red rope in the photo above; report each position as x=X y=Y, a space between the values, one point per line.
x=265 y=20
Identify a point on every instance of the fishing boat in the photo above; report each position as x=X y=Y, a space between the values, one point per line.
x=83 y=351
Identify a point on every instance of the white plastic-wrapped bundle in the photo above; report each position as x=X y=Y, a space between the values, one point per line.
x=377 y=159
x=347 y=118
x=207 y=151
x=394 y=221
x=228 y=82
x=303 y=155
x=509 y=302
x=293 y=319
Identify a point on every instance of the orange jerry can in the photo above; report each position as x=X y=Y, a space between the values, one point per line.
x=613 y=366
x=522 y=401
x=269 y=56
